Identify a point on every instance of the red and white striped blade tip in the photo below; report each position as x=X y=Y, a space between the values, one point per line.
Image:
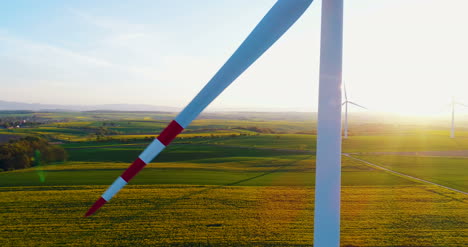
x=99 y=203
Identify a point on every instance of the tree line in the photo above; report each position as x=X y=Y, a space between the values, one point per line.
x=20 y=153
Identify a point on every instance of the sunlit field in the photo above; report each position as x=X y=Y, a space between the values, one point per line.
x=160 y=215
x=233 y=185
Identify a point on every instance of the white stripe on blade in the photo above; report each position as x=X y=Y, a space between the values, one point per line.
x=118 y=184
x=152 y=151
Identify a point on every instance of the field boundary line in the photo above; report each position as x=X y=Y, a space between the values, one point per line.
x=402 y=174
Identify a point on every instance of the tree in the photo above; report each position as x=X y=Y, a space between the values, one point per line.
x=19 y=154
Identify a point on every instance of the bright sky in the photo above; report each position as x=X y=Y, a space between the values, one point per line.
x=403 y=56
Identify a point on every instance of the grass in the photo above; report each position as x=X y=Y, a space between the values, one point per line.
x=200 y=215
x=394 y=143
x=451 y=172
x=283 y=141
x=111 y=143
x=175 y=153
x=285 y=170
x=53 y=132
x=403 y=216
x=403 y=143
x=217 y=133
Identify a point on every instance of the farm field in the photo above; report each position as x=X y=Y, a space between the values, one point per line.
x=447 y=171
x=188 y=215
x=356 y=144
x=240 y=188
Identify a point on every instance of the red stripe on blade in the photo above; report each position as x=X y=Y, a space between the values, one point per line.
x=170 y=132
x=131 y=171
x=95 y=206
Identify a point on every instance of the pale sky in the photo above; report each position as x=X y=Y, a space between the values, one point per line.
x=400 y=56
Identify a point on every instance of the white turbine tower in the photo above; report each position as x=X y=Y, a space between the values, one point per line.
x=345 y=103
x=452 y=131
x=328 y=162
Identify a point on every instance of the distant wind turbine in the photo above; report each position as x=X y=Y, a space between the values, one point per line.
x=345 y=103
x=452 y=131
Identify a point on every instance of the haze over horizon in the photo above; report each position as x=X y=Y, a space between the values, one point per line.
x=399 y=56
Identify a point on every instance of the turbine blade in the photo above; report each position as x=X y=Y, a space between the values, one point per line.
x=275 y=23
x=357 y=105
x=459 y=103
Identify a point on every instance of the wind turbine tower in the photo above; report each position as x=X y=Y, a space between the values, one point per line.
x=328 y=162
x=452 y=131
x=345 y=103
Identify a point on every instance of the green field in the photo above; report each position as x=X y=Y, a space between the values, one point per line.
x=216 y=165
x=243 y=188
x=447 y=171
x=381 y=143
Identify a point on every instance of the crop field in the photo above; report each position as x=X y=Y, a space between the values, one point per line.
x=230 y=185
x=360 y=144
x=447 y=171
x=205 y=215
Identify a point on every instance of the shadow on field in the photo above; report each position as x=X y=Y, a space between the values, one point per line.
x=170 y=202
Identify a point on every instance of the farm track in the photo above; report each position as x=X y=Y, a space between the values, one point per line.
x=402 y=174
x=447 y=153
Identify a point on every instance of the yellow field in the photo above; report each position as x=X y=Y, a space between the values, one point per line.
x=254 y=189
x=160 y=215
